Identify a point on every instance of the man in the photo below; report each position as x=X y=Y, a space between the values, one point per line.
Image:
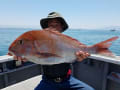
x=58 y=77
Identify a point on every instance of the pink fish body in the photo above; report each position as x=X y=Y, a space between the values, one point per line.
x=50 y=47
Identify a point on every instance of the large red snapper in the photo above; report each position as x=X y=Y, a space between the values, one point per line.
x=50 y=47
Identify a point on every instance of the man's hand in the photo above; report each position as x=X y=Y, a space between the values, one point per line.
x=17 y=58
x=81 y=55
x=20 y=58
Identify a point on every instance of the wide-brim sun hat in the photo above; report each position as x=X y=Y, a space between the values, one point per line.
x=53 y=15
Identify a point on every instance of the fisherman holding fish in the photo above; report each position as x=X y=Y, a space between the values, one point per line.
x=58 y=76
x=55 y=52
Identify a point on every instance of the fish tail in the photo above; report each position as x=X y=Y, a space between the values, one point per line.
x=103 y=47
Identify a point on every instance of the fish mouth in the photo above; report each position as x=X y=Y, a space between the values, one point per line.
x=17 y=57
x=13 y=54
x=10 y=53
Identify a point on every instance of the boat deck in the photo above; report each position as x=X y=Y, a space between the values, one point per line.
x=28 y=84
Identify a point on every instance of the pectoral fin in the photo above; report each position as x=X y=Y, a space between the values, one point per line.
x=46 y=55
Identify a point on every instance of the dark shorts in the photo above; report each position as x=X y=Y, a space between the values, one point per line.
x=70 y=83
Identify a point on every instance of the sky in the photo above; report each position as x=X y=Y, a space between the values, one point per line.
x=89 y=14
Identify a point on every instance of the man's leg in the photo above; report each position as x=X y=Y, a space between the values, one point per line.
x=76 y=84
x=45 y=86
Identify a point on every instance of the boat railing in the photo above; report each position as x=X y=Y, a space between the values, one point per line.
x=116 y=60
x=102 y=73
x=13 y=71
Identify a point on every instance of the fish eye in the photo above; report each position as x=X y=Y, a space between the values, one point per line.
x=21 y=42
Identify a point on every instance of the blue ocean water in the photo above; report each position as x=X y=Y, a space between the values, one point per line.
x=88 y=37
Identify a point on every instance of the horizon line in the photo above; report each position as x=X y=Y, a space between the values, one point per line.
x=39 y=27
